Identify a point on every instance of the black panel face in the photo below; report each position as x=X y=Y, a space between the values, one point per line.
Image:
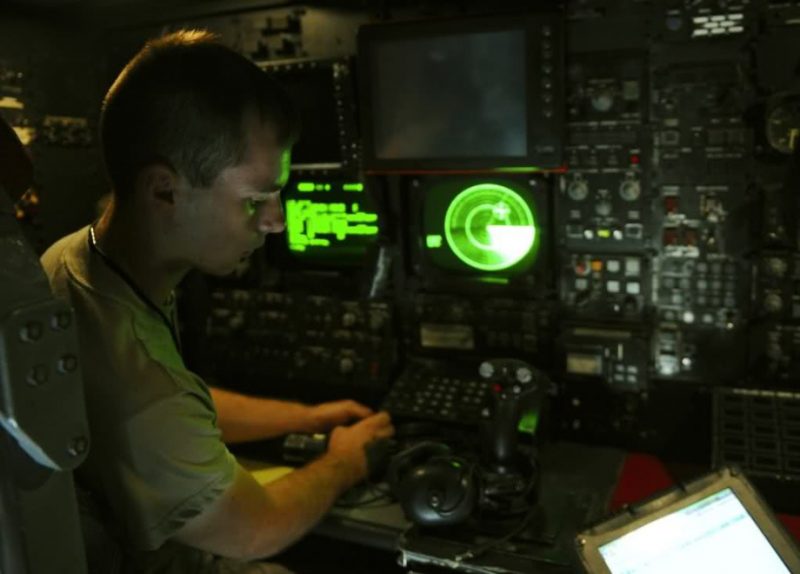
x=323 y=93
x=312 y=91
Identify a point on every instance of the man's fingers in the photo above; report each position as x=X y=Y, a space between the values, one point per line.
x=358 y=410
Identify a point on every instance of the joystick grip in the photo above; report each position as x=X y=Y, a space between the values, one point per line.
x=517 y=389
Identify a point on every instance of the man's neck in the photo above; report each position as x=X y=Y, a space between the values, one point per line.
x=129 y=243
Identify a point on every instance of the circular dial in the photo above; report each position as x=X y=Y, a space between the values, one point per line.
x=783 y=126
x=630 y=190
x=490 y=227
x=578 y=189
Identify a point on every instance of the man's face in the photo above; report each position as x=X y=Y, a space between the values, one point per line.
x=223 y=224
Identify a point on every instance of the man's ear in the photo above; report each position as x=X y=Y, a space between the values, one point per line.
x=158 y=183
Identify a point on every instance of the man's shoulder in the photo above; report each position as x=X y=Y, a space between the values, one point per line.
x=54 y=259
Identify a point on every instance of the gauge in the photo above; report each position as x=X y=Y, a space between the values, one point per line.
x=490 y=227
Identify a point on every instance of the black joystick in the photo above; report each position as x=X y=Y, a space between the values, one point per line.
x=516 y=398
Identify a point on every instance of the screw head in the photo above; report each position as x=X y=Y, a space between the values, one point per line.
x=38 y=375
x=78 y=445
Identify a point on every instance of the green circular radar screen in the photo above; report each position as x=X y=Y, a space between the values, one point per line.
x=490 y=227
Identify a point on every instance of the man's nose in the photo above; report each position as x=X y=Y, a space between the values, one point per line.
x=271 y=218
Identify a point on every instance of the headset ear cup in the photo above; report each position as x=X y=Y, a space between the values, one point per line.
x=403 y=461
x=439 y=492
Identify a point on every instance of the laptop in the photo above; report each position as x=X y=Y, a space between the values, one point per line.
x=715 y=524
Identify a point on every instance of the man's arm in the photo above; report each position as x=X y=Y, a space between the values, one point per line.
x=251 y=521
x=243 y=418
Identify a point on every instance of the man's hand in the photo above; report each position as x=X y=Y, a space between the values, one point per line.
x=347 y=445
x=326 y=416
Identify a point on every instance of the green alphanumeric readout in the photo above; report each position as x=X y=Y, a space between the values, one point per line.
x=327 y=220
x=489 y=227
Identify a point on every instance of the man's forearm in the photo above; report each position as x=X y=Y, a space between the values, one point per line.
x=300 y=499
x=242 y=418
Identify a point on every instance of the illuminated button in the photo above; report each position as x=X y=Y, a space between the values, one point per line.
x=613 y=286
x=633 y=267
x=597 y=265
x=603 y=208
x=613 y=266
x=603 y=233
x=581 y=284
x=633 y=288
x=688 y=317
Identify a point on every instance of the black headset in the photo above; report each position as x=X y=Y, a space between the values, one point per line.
x=434 y=486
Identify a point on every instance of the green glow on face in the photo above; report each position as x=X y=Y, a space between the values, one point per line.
x=357 y=187
x=529 y=422
x=286 y=164
x=317 y=224
x=433 y=241
x=490 y=227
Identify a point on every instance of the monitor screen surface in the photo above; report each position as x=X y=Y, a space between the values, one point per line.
x=451 y=96
x=714 y=534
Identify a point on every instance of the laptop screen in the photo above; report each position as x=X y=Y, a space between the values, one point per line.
x=714 y=534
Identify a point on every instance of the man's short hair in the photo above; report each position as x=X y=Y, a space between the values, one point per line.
x=181 y=102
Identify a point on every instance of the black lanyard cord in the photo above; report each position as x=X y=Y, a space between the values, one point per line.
x=130 y=282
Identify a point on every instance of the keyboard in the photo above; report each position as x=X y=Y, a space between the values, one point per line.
x=433 y=391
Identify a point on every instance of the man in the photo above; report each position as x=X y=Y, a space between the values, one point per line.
x=196 y=143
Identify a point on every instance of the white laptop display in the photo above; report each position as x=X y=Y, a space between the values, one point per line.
x=716 y=524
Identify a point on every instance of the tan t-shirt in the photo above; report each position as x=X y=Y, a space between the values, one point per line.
x=157 y=457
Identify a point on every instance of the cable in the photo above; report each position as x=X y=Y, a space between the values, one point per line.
x=478 y=551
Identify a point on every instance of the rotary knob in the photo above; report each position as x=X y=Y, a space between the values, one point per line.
x=578 y=190
x=630 y=189
x=776 y=267
x=524 y=375
x=773 y=303
x=603 y=101
x=346 y=365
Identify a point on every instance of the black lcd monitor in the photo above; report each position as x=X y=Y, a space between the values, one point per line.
x=322 y=92
x=330 y=223
x=479 y=94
